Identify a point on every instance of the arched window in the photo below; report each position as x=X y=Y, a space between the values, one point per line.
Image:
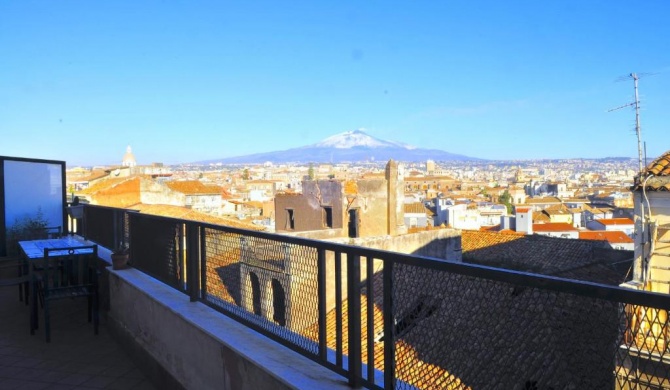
x=255 y=293
x=278 y=303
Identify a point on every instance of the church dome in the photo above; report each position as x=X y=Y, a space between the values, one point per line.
x=129 y=158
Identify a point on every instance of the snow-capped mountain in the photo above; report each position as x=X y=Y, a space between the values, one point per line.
x=350 y=146
x=350 y=139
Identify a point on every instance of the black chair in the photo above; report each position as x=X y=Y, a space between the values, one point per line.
x=15 y=261
x=53 y=231
x=65 y=273
x=14 y=272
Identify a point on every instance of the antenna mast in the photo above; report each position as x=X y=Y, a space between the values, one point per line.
x=638 y=130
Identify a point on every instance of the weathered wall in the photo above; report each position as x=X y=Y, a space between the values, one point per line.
x=659 y=206
x=122 y=195
x=153 y=192
x=325 y=234
x=441 y=243
x=308 y=206
x=371 y=201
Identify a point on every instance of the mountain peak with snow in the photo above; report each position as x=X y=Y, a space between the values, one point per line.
x=358 y=138
x=350 y=146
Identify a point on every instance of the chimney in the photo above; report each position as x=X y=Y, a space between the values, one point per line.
x=507 y=222
x=524 y=219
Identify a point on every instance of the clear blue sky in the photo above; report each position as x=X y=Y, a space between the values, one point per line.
x=184 y=81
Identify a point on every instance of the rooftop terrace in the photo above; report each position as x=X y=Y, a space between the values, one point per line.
x=211 y=306
x=75 y=359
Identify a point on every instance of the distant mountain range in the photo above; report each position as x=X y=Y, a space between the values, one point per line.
x=350 y=146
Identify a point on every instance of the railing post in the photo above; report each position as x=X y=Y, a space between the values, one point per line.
x=389 y=327
x=338 y=308
x=321 y=292
x=203 y=263
x=193 y=261
x=354 y=297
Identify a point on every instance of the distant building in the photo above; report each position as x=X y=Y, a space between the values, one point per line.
x=351 y=208
x=624 y=225
x=430 y=167
x=129 y=158
x=616 y=239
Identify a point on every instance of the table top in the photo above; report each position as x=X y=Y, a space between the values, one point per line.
x=34 y=249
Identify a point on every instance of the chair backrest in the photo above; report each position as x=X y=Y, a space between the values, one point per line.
x=67 y=267
x=13 y=271
x=53 y=231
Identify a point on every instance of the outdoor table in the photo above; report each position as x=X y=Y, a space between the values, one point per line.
x=33 y=250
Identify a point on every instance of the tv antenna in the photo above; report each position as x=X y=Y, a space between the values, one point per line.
x=635 y=104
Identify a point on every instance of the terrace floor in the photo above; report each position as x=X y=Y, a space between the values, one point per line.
x=75 y=358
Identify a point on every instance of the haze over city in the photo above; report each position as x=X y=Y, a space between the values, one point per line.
x=183 y=82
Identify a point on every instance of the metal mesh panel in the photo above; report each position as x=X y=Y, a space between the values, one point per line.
x=156 y=248
x=643 y=358
x=457 y=332
x=99 y=225
x=267 y=283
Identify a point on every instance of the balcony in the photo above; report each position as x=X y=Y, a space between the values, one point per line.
x=210 y=306
x=366 y=317
x=75 y=358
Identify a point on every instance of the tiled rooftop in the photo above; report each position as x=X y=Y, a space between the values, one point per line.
x=193 y=187
x=656 y=176
x=565 y=257
x=660 y=166
x=613 y=236
x=193 y=215
x=615 y=221
x=553 y=227
x=74 y=359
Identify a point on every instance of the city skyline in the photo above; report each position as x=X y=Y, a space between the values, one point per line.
x=183 y=83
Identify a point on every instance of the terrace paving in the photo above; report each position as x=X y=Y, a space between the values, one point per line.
x=76 y=358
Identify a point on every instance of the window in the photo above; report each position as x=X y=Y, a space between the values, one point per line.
x=328 y=217
x=255 y=293
x=290 y=220
x=353 y=223
x=278 y=303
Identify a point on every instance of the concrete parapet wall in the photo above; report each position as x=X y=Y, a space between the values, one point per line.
x=201 y=348
x=441 y=243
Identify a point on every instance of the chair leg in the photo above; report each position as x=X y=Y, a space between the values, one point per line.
x=96 y=313
x=47 y=325
x=26 y=289
x=33 y=309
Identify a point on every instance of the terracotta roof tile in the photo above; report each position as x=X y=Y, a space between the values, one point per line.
x=185 y=213
x=416 y=208
x=553 y=227
x=545 y=200
x=615 y=221
x=660 y=166
x=656 y=176
x=103 y=185
x=545 y=255
x=613 y=237
x=193 y=187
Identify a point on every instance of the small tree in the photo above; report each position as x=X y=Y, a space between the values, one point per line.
x=245 y=174
x=506 y=199
x=310 y=171
x=26 y=228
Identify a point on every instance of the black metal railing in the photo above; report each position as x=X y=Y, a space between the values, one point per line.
x=390 y=320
